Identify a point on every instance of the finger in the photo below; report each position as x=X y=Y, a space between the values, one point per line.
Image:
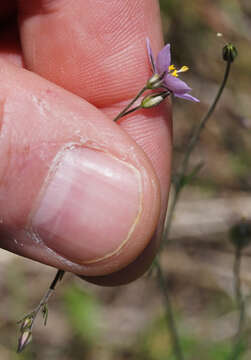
x=131 y=272
x=76 y=191
x=97 y=50
x=93 y=48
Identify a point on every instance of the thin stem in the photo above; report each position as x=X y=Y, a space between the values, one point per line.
x=124 y=111
x=240 y=302
x=169 y=315
x=58 y=277
x=238 y=291
x=132 y=110
x=28 y=321
x=184 y=165
x=198 y=130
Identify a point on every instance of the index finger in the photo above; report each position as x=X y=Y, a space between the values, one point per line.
x=94 y=48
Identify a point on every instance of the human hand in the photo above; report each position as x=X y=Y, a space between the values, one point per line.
x=78 y=191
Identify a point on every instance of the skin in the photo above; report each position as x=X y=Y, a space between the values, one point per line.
x=86 y=61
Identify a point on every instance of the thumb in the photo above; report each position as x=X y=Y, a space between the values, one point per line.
x=76 y=191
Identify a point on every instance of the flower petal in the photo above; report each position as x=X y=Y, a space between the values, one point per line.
x=164 y=59
x=187 y=97
x=176 y=85
x=150 y=55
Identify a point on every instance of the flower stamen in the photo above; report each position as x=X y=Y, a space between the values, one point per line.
x=175 y=72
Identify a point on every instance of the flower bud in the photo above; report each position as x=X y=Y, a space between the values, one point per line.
x=154 y=82
x=229 y=52
x=153 y=100
x=24 y=340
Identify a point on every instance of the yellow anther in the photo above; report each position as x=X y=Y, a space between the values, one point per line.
x=171 y=67
x=174 y=73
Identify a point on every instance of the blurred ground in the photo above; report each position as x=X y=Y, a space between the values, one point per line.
x=88 y=322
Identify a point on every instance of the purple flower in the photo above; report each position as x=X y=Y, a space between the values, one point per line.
x=168 y=73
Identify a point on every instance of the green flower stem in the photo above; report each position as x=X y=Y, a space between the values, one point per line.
x=125 y=111
x=237 y=289
x=184 y=165
x=240 y=302
x=167 y=224
x=132 y=110
x=169 y=315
